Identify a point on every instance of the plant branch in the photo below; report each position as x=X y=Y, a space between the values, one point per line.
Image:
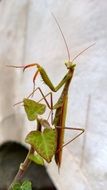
x=22 y=169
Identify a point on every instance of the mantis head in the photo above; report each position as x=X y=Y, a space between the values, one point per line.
x=70 y=65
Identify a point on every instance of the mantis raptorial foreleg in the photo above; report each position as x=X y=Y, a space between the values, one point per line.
x=45 y=77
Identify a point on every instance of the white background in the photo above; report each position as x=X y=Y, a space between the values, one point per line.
x=28 y=33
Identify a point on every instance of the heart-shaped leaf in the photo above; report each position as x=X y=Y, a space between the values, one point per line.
x=26 y=185
x=33 y=109
x=16 y=186
x=37 y=159
x=43 y=142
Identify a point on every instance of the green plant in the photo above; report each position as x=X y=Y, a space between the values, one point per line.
x=43 y=141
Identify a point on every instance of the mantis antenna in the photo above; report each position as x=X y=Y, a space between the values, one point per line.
x=82 y=52
x=62 y=36
x=66 y=41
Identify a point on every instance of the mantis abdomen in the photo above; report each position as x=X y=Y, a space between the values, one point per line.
x=60 y=122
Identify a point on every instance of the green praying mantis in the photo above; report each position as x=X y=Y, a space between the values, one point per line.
x=61 y=105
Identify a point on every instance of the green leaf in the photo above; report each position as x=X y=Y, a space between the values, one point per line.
x=16 y=186
x=37 y=159
x=26 y=185
x=33 y=109
x=43 y=142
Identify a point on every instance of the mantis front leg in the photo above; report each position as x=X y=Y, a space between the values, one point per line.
x=46 y=78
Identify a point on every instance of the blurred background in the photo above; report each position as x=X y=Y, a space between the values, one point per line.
x=28 y=33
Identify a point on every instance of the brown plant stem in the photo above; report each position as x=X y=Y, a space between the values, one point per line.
x=22 y=169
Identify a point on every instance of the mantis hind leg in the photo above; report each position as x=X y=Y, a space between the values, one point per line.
x=50 y=105
x=81 y=131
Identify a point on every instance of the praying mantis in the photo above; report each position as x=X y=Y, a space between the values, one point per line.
x=61 y=105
